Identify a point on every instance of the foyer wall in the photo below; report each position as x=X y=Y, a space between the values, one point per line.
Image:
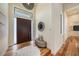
x=43 y=13
x=49 y=13
x=3 y=27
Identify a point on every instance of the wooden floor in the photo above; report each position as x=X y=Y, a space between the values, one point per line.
x=69 y=48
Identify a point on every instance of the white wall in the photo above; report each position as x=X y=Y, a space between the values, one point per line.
x=50 y=15
x=65 y=26
x=11 y=20
x=43 y=13
x=3 y=28
x=11 y=28
x=57 y=22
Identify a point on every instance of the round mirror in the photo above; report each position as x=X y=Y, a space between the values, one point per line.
x=41 y=26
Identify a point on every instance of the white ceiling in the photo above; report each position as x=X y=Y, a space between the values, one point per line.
x=71 y=8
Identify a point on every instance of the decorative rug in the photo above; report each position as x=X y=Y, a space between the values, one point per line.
x=28 y=51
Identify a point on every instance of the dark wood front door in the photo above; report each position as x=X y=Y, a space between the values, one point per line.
x=23 y=30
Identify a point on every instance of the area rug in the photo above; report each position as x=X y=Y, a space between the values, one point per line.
x=28 y=51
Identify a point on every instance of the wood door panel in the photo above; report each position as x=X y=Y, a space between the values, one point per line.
x=23 y=30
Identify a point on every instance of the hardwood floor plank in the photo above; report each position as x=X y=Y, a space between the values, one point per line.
x=70 y=48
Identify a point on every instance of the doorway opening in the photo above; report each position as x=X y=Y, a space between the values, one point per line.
x=22 y=26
